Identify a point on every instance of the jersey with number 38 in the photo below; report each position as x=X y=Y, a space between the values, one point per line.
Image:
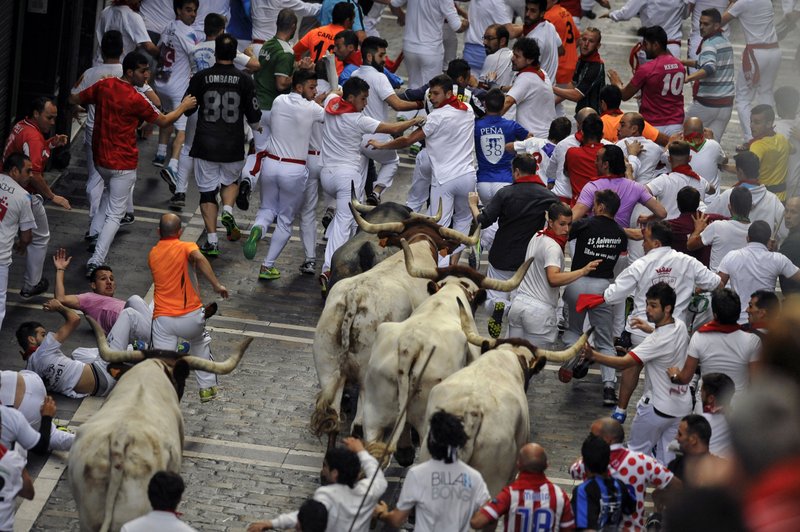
x=225 y=98
x=11 y=466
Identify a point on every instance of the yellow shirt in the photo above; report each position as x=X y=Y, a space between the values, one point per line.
x=773 y=152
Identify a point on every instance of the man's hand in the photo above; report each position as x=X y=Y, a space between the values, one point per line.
x=61 y=201
x=588 y=352
x=700 y=222
x=374 y=144
x=634 y=147
x=19 y=249
x=473 y=198
x=61 y=260
x=258 y=526
x=305 y=64
x=673 y=373
x=48 y=407
x=188 y=102
x=380 y=509
x=613 y=76
x=590 y=267
x=642 y=325
x=221 y=290
x=353 y=444
x=54 y=305
x=57 y=141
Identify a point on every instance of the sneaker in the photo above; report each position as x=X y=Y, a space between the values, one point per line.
x=90 y=268
x=373 y=199
x=327 y=217
x=128 y=219
x=269 y=273
x=414 y=149
x=324 y=281
x=158 y=160
x=496 y=320
x=208 y=394
x=87 y=236
x=252 y=242
x=591 y=15
x=138 y=345
x=609 y=396
x=210 y=250
x=309 y=267
x=243 y=198
x=178 y=200
x=183 y=347
x=169 y=177
x=623 y=343
x=231 y=229
x=40 y=288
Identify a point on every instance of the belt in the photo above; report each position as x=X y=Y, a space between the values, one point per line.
x=749 y=62
x=313 y=152
x=656 y=411
x=726 y=101
x=284 y=159
x=260 y=156
x=258 y=41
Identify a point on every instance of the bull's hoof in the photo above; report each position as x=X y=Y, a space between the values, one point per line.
x=405 y=456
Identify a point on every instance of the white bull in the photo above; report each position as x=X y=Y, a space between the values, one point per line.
x=401 y=349
x=489 y=396
x=137 y=432
x=356 y=306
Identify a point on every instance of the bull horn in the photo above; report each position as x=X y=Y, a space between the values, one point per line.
x=389 y=227
x=461 y=237
x=509 y=285
x=568 y=353
x=434 y=219
x=357 y=205
x=220 y=368
x=414 y=270
x=106 y=353
x=468 y=326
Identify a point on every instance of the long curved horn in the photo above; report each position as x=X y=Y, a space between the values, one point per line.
x=389 y=227
x=106 y=353
x=568 y=353
x=434 y=219
x=468 y=326
x=412 y=269
x=357 y=205
x=220 y=368
x=510 y=284
x=461 y=237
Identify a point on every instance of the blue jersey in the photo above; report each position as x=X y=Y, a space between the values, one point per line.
x=492 y=133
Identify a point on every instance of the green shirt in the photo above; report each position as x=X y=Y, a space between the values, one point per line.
x=277 y=59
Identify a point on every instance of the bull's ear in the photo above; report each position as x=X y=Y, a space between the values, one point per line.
x=432 y=287
x=537 y=364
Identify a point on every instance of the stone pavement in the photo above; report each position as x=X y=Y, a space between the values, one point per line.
x=249 y=455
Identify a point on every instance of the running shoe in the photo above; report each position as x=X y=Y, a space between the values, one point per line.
x=252 y=242
x=609 y=396
x=327 y=217
x=170 y=178
x=208 y=394
x=269 y=273
x=210 y=250
x=495 y=324
x=309 y=267
x=158 y=161
x=40 y=288
x=324 y=280
x=128 y=219
x=373 y=199
x=183 y=347
x=231 y=229
x=243 y=198
x=178 y=200
x=90 y=268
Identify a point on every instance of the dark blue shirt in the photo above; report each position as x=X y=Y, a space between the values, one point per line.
x=492 y=133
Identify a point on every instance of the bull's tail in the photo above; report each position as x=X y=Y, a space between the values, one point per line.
x=116 y=465
x=473 y=418
x=325 y=418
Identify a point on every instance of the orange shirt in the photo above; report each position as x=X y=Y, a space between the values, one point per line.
x=174 y=294
x=569 y=33
x=611 y=122
x=318 y=41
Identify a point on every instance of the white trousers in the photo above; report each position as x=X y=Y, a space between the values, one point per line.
x=649 y=430
x=533 y=320
x=336 y=182
x=308 y=209
x=32 y=402
x=714 y=118
x=421 y=68
x=134 y=323
x=167 y=330
x=282 y=186
x=420 y=188
x=388 y=159
x=94 y=184
x=37 y=250
x=450 y=45
x=496 y=296
x=455 y=203
x=3 y=291
x=486 y=192
x=749 y=95
x=372 y=18
x=118 y=185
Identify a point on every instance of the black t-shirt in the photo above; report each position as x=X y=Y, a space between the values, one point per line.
x=225 y=97
x=598 y=237
x=791 y=248
x=600 y=502
x=589 y=78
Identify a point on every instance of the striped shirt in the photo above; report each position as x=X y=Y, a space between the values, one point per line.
x=716 y=58
x=531 y=503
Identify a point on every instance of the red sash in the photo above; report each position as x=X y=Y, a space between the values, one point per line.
x=750 y=63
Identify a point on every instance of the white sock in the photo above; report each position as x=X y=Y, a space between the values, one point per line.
x=173 y=163
x=227 y=208
x=162 y=150
x=212 y=238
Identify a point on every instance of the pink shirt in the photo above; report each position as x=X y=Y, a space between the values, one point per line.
x=661 y=83
x=103 y=309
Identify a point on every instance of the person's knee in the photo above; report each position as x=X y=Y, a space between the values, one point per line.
x=209 y=197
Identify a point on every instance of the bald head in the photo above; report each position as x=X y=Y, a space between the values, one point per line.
x=609 y=429
x=693 y=125
x=170 y=225
x=532 y=458
x=581 y=115
x=792 y=212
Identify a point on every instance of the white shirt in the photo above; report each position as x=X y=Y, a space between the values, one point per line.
x=202 y=57
x=500 y=63
x=291 y=120
x=127 y=22
x=766 y=207
x=176 y=43
x=536 y=104
x=548 y=40
x=545 y=252
x=206 y=7
x=728 y=353
x=156 y=14
x=663 y=264
x=484 y=13
x=58 y=372
x=379 y=90
x=155 y=520
x=665 y=348
x=423 y=30
x=11 y=465
x=724 y=236
x=706 y=162
x=754 y=268
x=16 y=429
x=644 y=165
x=444 y=495
x=699 y=7
x=720 y=444
x=555 y=169
x=757 y=20
x=539 y=149
x=341 y=138
x=666 y=187
x=264 y=15
x=315 y=143
x=450 y=142
x=784 y=127
x=665 y=13
x=89 y=78
x=17 y=216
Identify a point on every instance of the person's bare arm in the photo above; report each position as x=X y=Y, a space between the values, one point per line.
x=61 y=262
x=509 y=101
x=568 y=93
x=579 y=211
x=188 y=102
x=395 y=518
x=628 y=91
x=24 y=240
x=695 y=241
x=683 y=375
x=723 y=278
x=400 y=142
x=479 y=520
x=151 y=48
x=514 y=31
x=555 y=277
x=397 y=104
x=201 y=263
x=71 y=319
x=658 y=210
x=611 y=361
x=27 y=491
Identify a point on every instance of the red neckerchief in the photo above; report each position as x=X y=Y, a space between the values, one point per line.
x=579 y=137
x=695 y=140
x=704 y=39
x=686 y=170
x=353 y=59
x=593 y=57
x=453 y=101
x=759 y=137
x=28 y=352
x=339 y=106
x=708 y=409
x=611 y=112
x=759 y=325
x=561 y=240
x=715 y=326
x=533 y=70
x=527 y=28
x=533 y=178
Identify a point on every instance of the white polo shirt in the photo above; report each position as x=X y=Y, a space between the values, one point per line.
x=379 y=90
x=484 y=13
x=291 y=120
x=752 y=268
x=264 y=15
x=423 y=30
x=17 y=216
x=724 y=236
x=546 y=252
x=757 y=20
x=644 y=165
x=728 y=353
x=536 y=104
x=341 y=138
x=706 y=161
x=666 y=187
x=450 y=142
x=500 y=63
x=546 y=36
x=664 y=348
